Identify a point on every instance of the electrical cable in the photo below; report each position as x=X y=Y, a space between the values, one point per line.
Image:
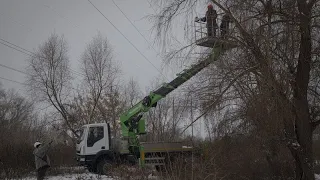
x=12 y=81
x=17 y=70
x=128 y=40
x=27 y=52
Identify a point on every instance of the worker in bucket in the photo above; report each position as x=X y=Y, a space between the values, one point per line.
x=211 y=19
x=42 y=160
x=224 y=26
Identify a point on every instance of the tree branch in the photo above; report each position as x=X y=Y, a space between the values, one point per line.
x=220 y=96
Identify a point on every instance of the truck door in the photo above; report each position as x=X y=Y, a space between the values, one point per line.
x=97 y=140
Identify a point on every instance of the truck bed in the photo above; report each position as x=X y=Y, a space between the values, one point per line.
x=154 y=147
x=165 y=147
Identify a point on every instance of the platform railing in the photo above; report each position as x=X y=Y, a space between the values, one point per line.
x=201 y=31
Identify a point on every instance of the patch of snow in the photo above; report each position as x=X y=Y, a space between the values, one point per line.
x=84 y=176
x=153 y=177
x=295 y=144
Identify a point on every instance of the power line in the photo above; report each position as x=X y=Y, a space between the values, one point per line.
x=151 y=6
x=12 y=81
x=47 y=6
x=14 y=48
x=17 y=46
x=45 y=107
x=157 y=52
x=59 y=14
x=135 y=27
x=11 y=68
x=156 y=12
x=65 y=18
x=171 y=35
x=77 y=73
x=127 y=39
x=25 y=52
x=19 y=23
x=17 y=70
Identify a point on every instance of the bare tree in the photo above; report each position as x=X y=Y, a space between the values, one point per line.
x=279 y=37
x=113 y=101
x=49 y=75
x=111 y=106
x=17 y=133
x=81 y=109
x=99 y=68
x=165 y=120
x=133 y=93
x=15 y=110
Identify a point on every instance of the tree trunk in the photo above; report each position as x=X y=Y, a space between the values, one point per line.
x=303 y=154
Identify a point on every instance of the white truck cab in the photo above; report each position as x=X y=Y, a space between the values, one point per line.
x=97 y=150
x=93 y=139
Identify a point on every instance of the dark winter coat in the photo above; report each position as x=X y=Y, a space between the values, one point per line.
x=211 y=18
x=225 y=22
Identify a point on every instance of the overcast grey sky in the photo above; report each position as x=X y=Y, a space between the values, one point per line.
x=29 y=23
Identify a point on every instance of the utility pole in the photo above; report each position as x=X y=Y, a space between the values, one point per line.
x=192 y=138
x=173 y=120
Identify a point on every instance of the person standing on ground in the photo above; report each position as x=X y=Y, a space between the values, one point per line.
x=42 y=160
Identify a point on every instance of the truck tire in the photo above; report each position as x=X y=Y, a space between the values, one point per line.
x=162 y=168
x=104 y=167
x=91 y=169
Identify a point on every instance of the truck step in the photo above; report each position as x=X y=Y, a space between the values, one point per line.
x=155 y=164
x=155 y=158
x=155 y=161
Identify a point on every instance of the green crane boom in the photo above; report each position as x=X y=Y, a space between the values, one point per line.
x=132 y=123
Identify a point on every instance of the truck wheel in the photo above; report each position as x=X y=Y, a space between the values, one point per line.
x=160 y=168
x=104 y=167
x=91 y=169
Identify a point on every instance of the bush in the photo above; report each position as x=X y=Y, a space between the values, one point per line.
x=62 y=155
x=17 y=159
x=232 y=158
x=16 y=156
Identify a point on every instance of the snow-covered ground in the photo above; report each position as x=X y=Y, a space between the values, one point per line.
x=79 y=173
x=84 y=176
x=89 y=176
x=81 y=176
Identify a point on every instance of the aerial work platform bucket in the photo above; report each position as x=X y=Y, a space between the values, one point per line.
x=202 y=38
x=212 y=41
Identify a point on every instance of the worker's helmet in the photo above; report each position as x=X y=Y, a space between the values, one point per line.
x=36 y=144
x=210 y=6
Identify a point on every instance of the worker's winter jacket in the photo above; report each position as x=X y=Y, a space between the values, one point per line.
x=210 y=18
x=41 y=157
